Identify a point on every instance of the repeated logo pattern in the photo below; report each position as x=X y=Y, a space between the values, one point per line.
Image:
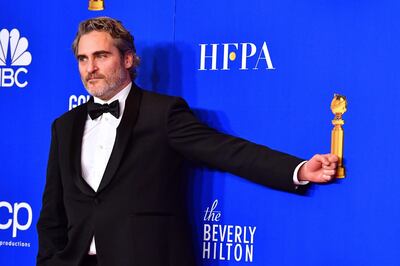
x=16 y=46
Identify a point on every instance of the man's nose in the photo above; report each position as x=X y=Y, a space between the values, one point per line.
x=91 y=66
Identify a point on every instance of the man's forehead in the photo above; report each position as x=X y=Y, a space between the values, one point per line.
x=95 y=41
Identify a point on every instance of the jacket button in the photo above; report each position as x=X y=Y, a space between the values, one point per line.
x=96 y=201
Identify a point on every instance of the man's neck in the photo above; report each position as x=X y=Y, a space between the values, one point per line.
x=106 y=98
x=115 y=95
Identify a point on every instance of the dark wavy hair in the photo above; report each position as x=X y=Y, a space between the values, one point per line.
x=123 y=39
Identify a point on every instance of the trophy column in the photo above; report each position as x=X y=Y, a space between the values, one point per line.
x=338 y=107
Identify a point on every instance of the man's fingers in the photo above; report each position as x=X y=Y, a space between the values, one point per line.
x=322 y=159
x=333 y=158
x=321 y=168
x=326 y=159
x=327 y=178
x=328 y=175
x=328 y=172
x=330 y=166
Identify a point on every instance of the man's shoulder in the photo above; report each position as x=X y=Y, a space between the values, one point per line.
x=156 y=96
x=70 y=115
x=160 y=101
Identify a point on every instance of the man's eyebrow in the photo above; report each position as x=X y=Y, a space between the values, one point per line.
x=80 y=56
x=95 y=53
x=101 y=52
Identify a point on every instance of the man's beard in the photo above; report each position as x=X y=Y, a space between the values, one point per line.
x=111 y=85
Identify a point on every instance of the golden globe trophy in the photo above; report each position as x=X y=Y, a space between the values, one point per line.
x=96 y=5
x=338 y=107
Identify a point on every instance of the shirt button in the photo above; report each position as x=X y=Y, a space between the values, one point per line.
x=106 y=118
x=101 y=147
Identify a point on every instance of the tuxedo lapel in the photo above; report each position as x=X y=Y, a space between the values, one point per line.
x=76 y=148
x=124 y=132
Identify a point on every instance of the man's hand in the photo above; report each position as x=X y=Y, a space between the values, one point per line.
x=321 y=168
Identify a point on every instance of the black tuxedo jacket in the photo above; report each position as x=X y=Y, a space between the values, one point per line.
x=138 y=214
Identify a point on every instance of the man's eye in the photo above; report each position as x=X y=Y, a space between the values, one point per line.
x=82 y=59
x=101 y=55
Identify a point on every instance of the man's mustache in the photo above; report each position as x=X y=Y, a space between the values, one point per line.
x=94 y=76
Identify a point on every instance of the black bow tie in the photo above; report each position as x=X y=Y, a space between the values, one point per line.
x=95 y=109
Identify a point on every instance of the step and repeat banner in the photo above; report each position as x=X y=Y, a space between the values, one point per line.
x=262 y=70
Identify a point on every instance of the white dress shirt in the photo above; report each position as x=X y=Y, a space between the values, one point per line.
x=98 y=142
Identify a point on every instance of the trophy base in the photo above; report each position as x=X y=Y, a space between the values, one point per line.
x=340 y=172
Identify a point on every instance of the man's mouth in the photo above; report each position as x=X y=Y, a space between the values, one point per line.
x=93 y=79
x=90 y=78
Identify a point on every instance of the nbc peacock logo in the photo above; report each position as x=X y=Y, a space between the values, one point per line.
x=13 y=53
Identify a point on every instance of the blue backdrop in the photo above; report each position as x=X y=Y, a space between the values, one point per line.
x=263 y=70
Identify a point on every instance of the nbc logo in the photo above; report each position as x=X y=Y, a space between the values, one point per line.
x=13 y=51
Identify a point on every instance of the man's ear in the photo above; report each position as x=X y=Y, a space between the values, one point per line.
x=128 y=59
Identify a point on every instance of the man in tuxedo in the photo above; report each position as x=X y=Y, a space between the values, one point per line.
x=113 y=194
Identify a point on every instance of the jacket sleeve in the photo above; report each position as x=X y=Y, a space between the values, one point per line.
x=199 y=142
x=52 y=223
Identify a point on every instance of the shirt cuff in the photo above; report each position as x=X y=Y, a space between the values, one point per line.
x=295 y=177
